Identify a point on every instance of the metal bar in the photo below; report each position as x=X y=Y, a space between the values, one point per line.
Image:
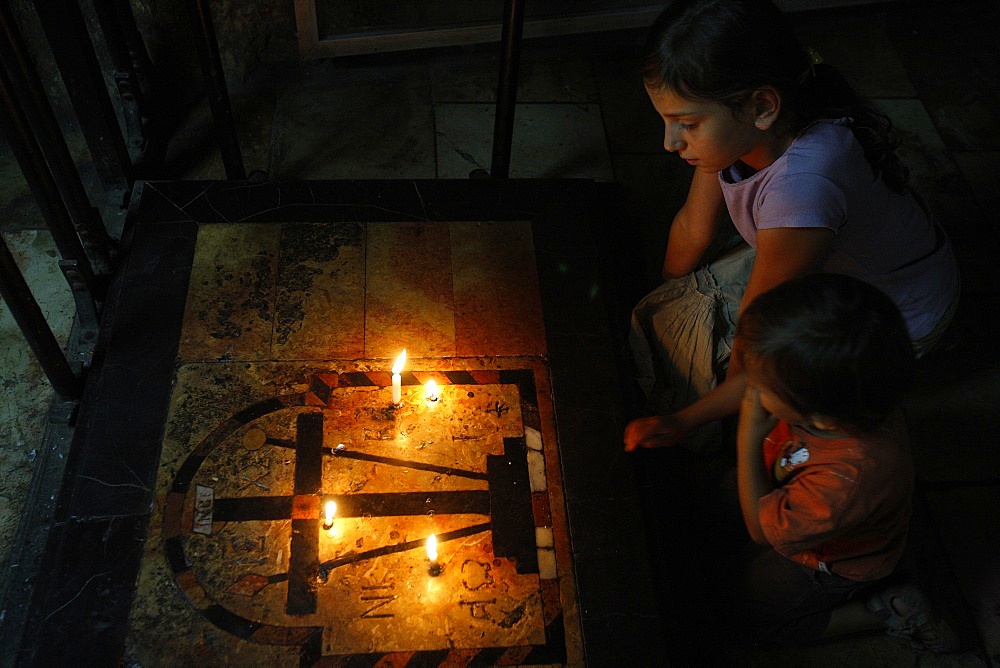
x=63 y=23
x=15 y=128
x=86 y=314
x=218 y=94
x=141 y=61
x=503 y=126
x=29 y=317
x=126 y=77
x=26 y=86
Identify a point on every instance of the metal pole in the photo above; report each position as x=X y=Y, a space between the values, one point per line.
x=17 y=295
x=25 y=148
x=503 y=127
x=69 y=41
x=26 y=85
x=218 y=94
x=126 y=76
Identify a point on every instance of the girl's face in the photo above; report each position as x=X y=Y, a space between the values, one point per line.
x=708 y=135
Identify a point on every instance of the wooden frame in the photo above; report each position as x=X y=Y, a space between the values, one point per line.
x=311 y=46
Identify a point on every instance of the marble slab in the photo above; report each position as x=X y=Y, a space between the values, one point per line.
x=239 y=561
x=283 y=401
x=293 y=291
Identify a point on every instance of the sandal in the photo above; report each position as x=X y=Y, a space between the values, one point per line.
x=908 y=614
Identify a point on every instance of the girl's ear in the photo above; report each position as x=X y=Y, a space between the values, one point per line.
x=766 y=104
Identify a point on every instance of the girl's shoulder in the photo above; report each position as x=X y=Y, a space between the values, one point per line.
x=827 y=148
x=824 y=131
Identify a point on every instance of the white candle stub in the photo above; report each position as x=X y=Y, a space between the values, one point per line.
x=397 y=381
x=331 y=510
x=432 y=556
x=432 y=390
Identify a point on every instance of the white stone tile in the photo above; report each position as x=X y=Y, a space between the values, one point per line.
x=536 y=471
x=356 y=129
x=547 y=565
x=543 y=537
x=533 y=438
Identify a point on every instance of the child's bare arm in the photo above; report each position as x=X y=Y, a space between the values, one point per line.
x=753 y=480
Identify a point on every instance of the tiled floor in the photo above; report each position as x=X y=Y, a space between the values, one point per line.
x=582 y=113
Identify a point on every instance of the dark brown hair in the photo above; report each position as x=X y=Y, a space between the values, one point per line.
x=831 y=345
x=723 y=50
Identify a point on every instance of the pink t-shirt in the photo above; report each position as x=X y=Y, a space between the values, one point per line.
x=842 y=505
x=882 y=237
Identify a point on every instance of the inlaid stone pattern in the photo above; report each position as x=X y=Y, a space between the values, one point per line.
x=283 y=402
x=240 y=529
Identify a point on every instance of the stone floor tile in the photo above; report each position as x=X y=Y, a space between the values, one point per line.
x=975 y=166
x=545 y=74
x=320 y=297
x=948 y=56
x=229 y=311
x=859 y=47
x=497 y=306
x=409 y=296
x=967 y=518
x=27 y=393
x=538 y=149
x=358 y=128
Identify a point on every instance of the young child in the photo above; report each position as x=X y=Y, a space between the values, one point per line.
x=824 y=473
x=805 y=169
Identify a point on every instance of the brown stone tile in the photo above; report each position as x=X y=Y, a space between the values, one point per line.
x=498 y=309
x=320 y=293
x=229 y=308
x=409 y=302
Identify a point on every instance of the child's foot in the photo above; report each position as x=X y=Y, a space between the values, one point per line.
x=908 y=613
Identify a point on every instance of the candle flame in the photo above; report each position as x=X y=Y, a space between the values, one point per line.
x=331 y=510
x=432 y=390
x=432 y=552
x=400 y=361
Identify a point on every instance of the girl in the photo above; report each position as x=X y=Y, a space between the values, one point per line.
x=805 y=169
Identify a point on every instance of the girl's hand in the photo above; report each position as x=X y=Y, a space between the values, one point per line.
x=654 y=432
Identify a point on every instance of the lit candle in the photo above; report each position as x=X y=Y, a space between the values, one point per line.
x=397 y=381
x=331 y=510
x=432 y=556
x=432 y=390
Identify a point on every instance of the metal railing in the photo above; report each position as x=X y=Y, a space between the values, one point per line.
x=29 y=124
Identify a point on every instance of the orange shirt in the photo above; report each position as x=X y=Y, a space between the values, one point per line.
x=842 y=505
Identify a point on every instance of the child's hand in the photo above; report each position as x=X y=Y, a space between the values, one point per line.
x=654 y=432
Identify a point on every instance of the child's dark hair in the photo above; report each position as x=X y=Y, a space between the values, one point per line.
x=831 y=345
x=722 y=50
